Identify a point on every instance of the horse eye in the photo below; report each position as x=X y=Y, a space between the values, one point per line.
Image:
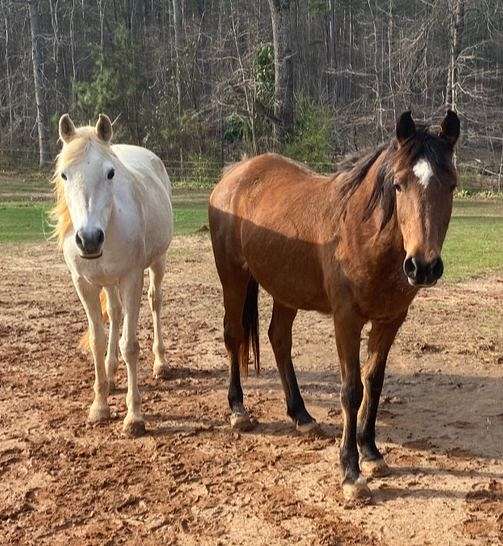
x=110 y=174
x=63 y=176
x=397 y=187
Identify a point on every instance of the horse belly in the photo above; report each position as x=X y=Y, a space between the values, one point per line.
x=158 y=226
x=289 y=270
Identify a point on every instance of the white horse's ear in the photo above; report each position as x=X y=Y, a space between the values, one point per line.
x=104 y=128
x=66 y=128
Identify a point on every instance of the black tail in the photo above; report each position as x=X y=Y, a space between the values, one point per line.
x=250 y=325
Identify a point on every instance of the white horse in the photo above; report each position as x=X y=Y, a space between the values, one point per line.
x=114 y=220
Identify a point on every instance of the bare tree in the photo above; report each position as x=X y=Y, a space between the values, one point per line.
x=456 y=20
x=38 y=81
x=177 y=23
x=283 y=66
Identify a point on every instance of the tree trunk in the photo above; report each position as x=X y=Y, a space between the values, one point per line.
x=177 y=23
x=457 y=21
x=283 y=67
x=8 y=72
x=38 y=80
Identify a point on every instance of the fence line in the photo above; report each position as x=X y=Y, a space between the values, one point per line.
x=475 y=175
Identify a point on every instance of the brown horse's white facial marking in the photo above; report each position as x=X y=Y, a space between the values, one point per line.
x=422 y=169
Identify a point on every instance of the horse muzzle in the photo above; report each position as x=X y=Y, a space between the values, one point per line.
x=90 y=243
x=420 y=273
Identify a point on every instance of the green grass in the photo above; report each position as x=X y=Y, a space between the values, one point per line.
x=474 y=244
x=27 y=221
x=191 y=211
x=23 y=222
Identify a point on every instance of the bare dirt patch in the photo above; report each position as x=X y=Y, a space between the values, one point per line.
x=190 y=480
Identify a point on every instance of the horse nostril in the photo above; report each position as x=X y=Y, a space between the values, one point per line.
x=100 y=237
x=78 y=240
x=437 y=268
x=410 y=267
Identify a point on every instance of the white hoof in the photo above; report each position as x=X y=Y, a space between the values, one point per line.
x=98 y=414
x=242 y=422
x=306 y=428
x=357 y=490
x=133 y=427
x=375 y=469
x=161 y=371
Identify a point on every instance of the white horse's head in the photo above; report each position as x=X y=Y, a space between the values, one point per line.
x=86 y=170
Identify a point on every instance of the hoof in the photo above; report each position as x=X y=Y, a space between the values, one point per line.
x=133 y=427
x=242 y=422
x=375 y=469
x=356 y=491
x=161 y=371
x=98 y=414
x=306 y=428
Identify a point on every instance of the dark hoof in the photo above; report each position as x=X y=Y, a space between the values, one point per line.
x=375 y=469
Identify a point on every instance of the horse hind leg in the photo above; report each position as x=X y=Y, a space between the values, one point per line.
x=280 y=336
x=236 y=297
x=156 y=274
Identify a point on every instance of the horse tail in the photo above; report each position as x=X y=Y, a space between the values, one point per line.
x=84 y=340
x=251 y=328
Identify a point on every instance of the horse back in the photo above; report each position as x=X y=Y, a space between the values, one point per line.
x=151 y=187
x=261 y=218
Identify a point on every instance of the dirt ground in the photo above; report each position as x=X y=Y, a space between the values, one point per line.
x=191 y=480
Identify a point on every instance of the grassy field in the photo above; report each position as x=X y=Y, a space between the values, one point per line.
x=474 y=244
x=26 y=221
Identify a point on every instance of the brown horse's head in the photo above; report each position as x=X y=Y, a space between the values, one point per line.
x=423 y=179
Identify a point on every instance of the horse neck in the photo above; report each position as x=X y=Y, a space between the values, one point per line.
x=371 y=238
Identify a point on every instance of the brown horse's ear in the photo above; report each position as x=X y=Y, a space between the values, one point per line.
x=104 y=128
x=405 y=127
x=450 y=128
x=66 y=128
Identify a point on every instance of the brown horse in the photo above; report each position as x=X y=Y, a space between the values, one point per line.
x=357 y=245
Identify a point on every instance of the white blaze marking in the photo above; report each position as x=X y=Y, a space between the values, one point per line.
x=422 y=169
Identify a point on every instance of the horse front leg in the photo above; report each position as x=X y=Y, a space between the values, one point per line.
x=130 y=292
x=381 y=338
x=89 y=296
x=114 y=310
x=347 y=333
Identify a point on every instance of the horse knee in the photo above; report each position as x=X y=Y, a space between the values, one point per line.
x=97 y=337
x=233 y=335
x=115 y=313
x=352 y=396
x=130 y=349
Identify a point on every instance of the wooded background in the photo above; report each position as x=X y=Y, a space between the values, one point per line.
x=196 y=80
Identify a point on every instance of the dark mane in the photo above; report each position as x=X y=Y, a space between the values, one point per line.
x=423 y=145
